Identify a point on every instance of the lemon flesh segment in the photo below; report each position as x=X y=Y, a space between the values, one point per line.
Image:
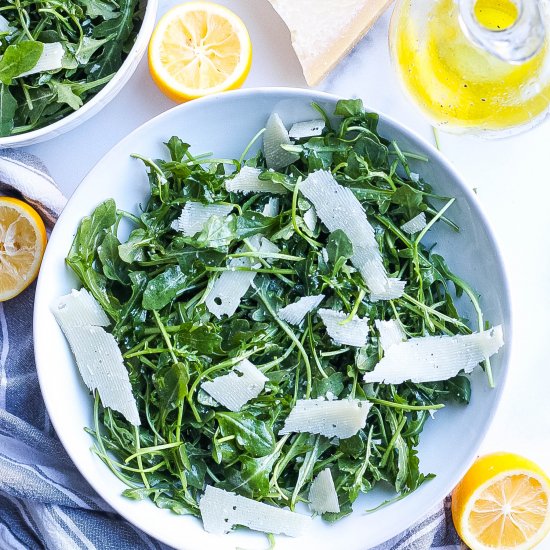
x=198 y=49
x=21 y=250
x=201 y=51
x=510 y=512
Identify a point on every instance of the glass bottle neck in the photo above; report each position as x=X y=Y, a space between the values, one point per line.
x=516 y=43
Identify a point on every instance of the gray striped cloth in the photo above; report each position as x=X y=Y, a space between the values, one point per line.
x=44 y=501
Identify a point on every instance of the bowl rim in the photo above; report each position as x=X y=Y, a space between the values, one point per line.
x=99 y=100
x=292 y=93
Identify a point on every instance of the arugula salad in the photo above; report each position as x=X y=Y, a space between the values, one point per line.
x=54 y=56
x=284 y=333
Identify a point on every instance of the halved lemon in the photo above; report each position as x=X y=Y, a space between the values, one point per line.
x=502 y=502
x=199 y=48
x=22 y=243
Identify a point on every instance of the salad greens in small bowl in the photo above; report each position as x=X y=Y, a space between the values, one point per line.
x=60 y=62
x=269 y=320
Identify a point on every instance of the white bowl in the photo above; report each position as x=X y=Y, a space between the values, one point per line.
x=224 y=124
x=102 y=98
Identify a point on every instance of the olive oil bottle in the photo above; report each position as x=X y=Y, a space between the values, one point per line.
x=478 y=66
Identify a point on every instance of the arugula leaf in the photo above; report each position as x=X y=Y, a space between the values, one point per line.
x=252 y=435
x=349 y=108
x=162 y=289
x=339 y=249
x=65 y=94
x=100 y=8
x=8 y=106
x=119 y=29
x=18 y=59
x=172 y=386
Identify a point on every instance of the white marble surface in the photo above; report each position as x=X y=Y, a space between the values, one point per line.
x=511 y=178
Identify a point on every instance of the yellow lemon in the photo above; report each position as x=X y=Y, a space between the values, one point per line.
x=502 y=502
x=199 y=48
x=22 y=243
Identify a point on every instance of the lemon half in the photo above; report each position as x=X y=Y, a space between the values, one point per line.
x=22 y=244
x=199 y=48
x=502 y=502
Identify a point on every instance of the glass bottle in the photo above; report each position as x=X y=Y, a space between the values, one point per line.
x=479 y=66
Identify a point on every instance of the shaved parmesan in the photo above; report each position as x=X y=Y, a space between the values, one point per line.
x=195 y=216
x=391 y=333
x=276 y=135
x=338 y=208
x=310 y=128
x=310 y=219
x=394 y=289
x=233 y=390
x=248 y=181
x=415 y=177
x=322 y=494
x=51 y=59
x=4 y=24
x=222 y=510
x=79 y=309
x=230 y=287
x=271 y=209
x=433 y=358
x=295 y=313
x=338 y=418
x=97 y=354
x=416 y=224
x=267 y=246
x=351 y=333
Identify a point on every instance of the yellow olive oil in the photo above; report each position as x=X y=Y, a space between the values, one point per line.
x=457 y=83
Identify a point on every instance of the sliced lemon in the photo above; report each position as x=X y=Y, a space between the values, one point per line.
x=502 y=502
x=22 y=243
x=199 y=48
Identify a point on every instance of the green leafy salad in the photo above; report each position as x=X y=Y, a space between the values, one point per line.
x=55 y=55
x=285 y=333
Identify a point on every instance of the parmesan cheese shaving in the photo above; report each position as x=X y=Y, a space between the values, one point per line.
x=338 y=208
x=4 y=24
x=391 y=333
x=51 y=59
x=247 y=181
x=233 y=390
x=267 y=246
x=310 y=128
x=222 y=510
x=394 y=289
x=271 y=209
x=195 y=216
x=351 y=333
x=79 y=309
x=310 y=219
x=295 y=313
x=230 y=287
x=276 y=135
x=97 y=354
x=433 y=358
x=322 y=494
x=338 y=418
x=416 y=224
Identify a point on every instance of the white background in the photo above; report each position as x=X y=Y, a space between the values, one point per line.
x=511 y=177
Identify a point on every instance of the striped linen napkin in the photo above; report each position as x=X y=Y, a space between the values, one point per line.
x=44 y=501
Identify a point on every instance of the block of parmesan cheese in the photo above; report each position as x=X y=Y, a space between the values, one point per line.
x=324 y=31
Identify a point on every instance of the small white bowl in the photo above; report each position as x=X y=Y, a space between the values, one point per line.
x=224 y=124
x=98 y=101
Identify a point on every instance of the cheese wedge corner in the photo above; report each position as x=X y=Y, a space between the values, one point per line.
x=324 y=31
